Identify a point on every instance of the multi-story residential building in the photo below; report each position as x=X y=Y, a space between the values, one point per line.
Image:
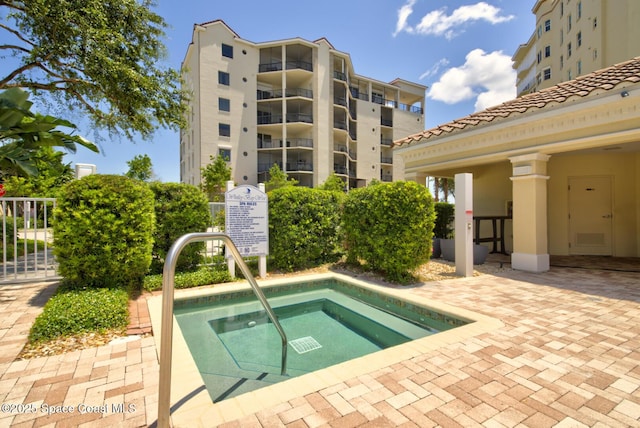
x=576 y=37
x=295 y=103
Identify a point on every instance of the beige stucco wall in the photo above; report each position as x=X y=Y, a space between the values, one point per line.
x=624 y=168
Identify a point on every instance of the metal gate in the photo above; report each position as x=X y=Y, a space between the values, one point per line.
x=27 y=240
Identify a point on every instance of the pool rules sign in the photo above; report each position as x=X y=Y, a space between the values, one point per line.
x=247 y=220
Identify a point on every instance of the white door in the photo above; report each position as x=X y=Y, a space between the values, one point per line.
x=590 y=215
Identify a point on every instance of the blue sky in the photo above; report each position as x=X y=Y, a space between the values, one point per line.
x=461 y=50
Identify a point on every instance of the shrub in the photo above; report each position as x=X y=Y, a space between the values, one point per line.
x=389 y=226
x=179 y=209
x=72 y=311
x=444 y=220
x=103 y=231
x=203 y=276
x=303 y=227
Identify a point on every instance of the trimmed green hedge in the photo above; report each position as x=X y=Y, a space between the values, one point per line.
x=444 y=220
x=179 y=209
x=390 y=227
x=304 y=227
x=73 y=311
x=203 y=276
x=103 y=231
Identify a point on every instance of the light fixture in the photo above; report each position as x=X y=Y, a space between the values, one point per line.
x=624 y=94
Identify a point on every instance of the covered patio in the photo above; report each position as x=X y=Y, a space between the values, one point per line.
x=563 y=163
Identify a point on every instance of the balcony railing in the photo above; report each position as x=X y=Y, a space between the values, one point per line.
x=340 y=169
x=269 y=119
x=340 y=124
x=339 y=75
x=384 y=159
x=386 y=177
x=299 y=166
x=386 y=122
x=299 y=117
x=342 y=149
x=386 y=142
x=356 y=93
x=271 y=66
x=289 y=92
x=341 y=101
x=291 y=142
x=302 y=65
x=266 y=166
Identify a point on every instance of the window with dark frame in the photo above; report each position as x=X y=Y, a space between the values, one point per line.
x=224 y=104
x=225 y=153
x=223 y=78
x=224 y=130
x=227 y=51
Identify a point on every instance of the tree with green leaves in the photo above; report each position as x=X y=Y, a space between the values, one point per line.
x=278 y=178
x=99 y=57
x=214 y=178
x=23 y=133
x=53 y=173
x=140 y=168
x=333 y=183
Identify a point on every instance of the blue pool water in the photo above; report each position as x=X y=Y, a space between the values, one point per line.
x=237 y=349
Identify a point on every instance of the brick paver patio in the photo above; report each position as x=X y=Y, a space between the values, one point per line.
x=567 y=356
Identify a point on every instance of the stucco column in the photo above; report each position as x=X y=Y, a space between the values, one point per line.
x=418 y=177
x=529 y=184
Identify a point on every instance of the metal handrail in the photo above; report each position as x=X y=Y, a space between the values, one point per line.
x=166 y=334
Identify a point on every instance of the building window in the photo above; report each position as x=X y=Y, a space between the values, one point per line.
x=561 y=9
x=539 y=57
x=595 y=22
x=546 y=73
x=579 y=68
x=561 y=37
x=569 y=75
x=561 y=62
x=223 y=78
x=225 y=153
x=569 y=23
x=224 y=130
x=547 y=51
x=569 y=50
x=539 y=31
x=547 y=25
x=227 y=51
x=579 y=39
x=579 y=11
x=224 y=104
x=595 y=54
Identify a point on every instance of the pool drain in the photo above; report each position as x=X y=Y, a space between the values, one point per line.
x=305 y=344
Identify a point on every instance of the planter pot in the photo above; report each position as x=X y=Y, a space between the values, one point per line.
x=436 y=250
x=448 y=247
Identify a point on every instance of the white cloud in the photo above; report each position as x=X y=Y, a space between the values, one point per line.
x=435 y=69
x=438 y=23
x=403 y=15
x=487 y=77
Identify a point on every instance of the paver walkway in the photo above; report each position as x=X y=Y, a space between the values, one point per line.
x=567 y=356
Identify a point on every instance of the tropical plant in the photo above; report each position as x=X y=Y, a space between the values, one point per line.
x=278 y=178
x=214 y=178
x=23 y=133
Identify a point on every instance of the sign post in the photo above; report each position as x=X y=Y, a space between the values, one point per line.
x=247 y=223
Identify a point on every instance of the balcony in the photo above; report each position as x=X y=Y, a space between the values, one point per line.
x=386 y=177
x=386 y=159
x=386 y=142
x=299 y=117
x=340 y=76
x=386 y=122
x=271 y=66
x=299 y=65
x=299 y=166
x=288 y=93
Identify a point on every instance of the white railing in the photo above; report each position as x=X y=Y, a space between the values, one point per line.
x=27 y=239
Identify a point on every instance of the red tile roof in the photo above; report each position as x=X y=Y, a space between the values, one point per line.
x=607 y=79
